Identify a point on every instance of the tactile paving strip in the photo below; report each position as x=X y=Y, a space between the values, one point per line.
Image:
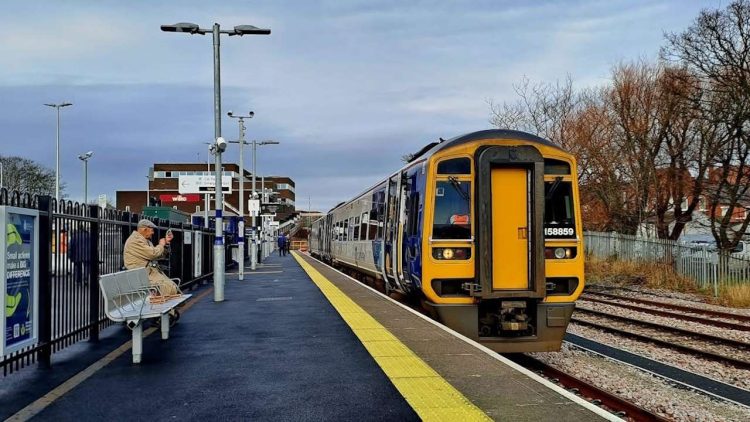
x=433 y=398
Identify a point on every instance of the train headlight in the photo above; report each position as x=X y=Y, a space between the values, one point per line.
x=560 y=253
x=451 y=254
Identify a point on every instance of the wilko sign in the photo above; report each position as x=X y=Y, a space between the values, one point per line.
x=180 y=198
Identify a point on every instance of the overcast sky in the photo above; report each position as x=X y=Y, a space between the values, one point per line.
x=347 y=87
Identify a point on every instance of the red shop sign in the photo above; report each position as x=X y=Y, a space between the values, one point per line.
x=191 y=197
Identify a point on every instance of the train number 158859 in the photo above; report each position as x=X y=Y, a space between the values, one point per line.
x=558 y=231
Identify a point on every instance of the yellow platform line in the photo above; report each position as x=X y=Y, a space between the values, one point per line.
x=431 y=396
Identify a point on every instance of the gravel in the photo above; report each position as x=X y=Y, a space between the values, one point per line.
x=676 y=298
x=706 y=367
x=642 y=388
x=672 y=322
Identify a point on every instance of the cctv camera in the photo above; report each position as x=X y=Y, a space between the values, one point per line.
x=251 y=114
x=221 y=144
x=229 y=113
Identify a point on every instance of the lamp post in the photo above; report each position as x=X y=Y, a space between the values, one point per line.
x=240 y=30
x=241 y=238
x=255 y=144
x=85 y=158
x=57 y=148
x=211 y=149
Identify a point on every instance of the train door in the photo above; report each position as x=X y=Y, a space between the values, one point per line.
x=391 y=226
x=510 y=228
x=411 y=233
x=510 y=188
x=327 y=233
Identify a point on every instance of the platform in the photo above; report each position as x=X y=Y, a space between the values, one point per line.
x=294 y=343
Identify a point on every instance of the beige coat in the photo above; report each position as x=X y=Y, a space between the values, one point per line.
x=138 y=253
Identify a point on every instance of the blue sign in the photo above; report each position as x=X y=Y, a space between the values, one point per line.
x=19 y=266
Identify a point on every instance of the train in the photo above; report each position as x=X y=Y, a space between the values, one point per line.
x=483 y=230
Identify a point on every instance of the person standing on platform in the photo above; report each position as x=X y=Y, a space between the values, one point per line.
x=141 y=253
x=287 y=243
x=281 y=243
x=79 y=251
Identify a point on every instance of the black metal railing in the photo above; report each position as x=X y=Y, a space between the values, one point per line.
x=77 y=244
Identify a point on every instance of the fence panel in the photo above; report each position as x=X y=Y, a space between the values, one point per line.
x=78 y=243
x=700 y=263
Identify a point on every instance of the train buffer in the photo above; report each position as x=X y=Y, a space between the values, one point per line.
x=295 y=340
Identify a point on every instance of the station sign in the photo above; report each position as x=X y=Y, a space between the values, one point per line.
x=203 y=184
x=253 y=207
x=19 y=278
x=190 y=197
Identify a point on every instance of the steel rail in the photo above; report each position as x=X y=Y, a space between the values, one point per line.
x=709 y=337
x=712 y=322
x=738 y=363
x=727 y=315
x=615 y=404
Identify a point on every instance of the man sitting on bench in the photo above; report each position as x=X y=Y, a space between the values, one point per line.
x=140 y=252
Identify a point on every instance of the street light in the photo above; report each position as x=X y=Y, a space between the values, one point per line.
x=255 y=144
x=241 y=238
x=85 y=158
x=240 y=30
x=57 y=148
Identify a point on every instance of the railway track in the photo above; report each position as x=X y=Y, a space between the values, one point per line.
x=686 y=313
x=710 y=338
x=605 y=399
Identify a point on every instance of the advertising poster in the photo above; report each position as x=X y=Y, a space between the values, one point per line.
x=19 y=268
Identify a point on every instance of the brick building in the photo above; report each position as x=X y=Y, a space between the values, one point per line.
x=163 y=187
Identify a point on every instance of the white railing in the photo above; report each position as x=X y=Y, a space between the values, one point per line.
x=701 y=264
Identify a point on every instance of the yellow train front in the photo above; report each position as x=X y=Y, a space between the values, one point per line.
x=485 y=228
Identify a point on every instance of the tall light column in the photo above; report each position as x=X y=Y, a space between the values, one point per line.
x=240 y=30
x=85 y=158
x=241 y=238
x=255 y=144
x=57 y=148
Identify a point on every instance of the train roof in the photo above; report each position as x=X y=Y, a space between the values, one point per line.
x=434 y=147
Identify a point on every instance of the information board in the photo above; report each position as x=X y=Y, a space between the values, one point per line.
x=202 y=184
x=19 y=278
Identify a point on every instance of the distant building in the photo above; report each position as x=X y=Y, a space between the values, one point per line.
x=163 y=188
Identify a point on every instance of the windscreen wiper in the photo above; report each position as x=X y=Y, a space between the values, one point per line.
x=457 y=186
x=553 y=188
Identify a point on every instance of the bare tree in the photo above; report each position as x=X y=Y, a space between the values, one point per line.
x=26 y=176
x=716 y=48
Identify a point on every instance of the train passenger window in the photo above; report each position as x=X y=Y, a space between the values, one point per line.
x=355 y=227
x=455 y=166
x=452 y=216
x=350 y=229
x=559 y=220
x=372 y=232
x=363 y=227
x=345 y=230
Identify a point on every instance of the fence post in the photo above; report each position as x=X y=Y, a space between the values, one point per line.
x=94 y=274
x=44 y=205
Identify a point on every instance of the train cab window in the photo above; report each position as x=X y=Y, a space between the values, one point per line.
x=559 y=218
x=455 y=166
x=556 y=167
x=355 y=236
x=452 y=217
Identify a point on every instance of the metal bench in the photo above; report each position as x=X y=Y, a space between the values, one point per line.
x=126 y=299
